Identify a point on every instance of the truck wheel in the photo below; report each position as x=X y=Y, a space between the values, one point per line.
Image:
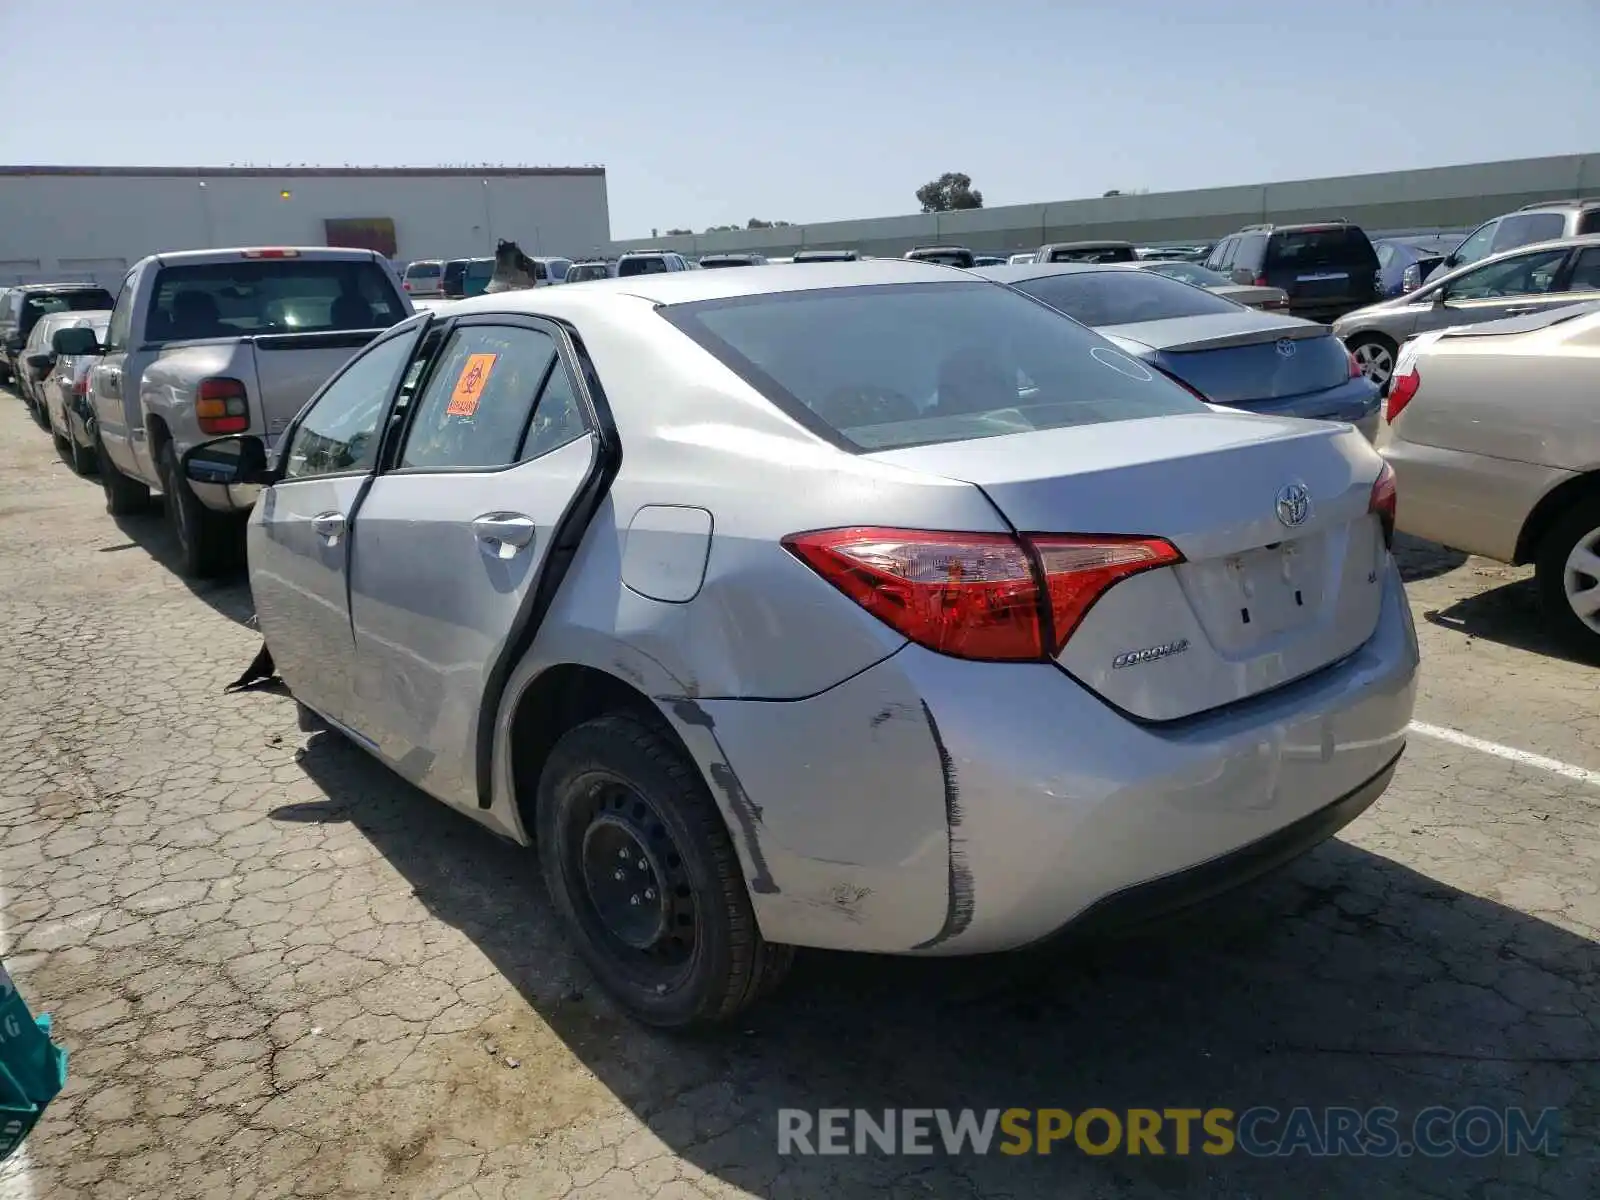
x=1568 y=577
x=123 y=495
x=205 y=538
x=643 y=874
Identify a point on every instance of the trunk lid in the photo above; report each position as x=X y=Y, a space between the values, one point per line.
x=291 y=367
x=1250 y=358
x=1257 y=602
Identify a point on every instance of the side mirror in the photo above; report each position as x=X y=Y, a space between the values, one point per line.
x=75 y=342
x=241 y=458
x=40 y=363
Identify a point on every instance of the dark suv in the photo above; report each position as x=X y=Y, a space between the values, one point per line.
x=1328 y=268
x=21 y=308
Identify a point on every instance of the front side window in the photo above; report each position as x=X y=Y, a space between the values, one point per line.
x=340 y=433
x=121 y=317
x=1520 y=275
x=1476 y=245
x=474 y=410
x=1123 y=297
x=278 y=295
x=880 y=367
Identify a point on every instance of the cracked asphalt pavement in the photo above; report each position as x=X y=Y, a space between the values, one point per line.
x=280 y=971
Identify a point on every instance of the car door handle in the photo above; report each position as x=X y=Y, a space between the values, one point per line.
x=509 y=529
x=328 y=524
x=1521 y=310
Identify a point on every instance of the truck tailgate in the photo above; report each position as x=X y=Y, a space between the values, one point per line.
x=290 y=367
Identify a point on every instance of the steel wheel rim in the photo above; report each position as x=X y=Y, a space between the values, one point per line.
x=1375 y=361
x=1580 y=579
x=622 y=833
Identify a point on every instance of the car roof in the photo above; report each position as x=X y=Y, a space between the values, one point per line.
x=1097 y=242
x=225 y=253
x=1013 y=273
x=686 y=287
x=56 y=287
x=1569 y=202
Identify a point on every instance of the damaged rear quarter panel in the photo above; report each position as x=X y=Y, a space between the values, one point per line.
x=845 y=796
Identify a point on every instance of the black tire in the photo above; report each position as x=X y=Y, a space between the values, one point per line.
x=1375 y=351
x=712 y=961
x=81 y=458
x=205 y=538
x=1579 y=526
x=123 y=495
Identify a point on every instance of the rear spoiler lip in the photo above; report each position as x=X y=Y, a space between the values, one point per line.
x=1249 y=337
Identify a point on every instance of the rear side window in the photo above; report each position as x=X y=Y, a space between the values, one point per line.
x=1123 y=297
x=1521 y=229
x=1222 y=255
x=278 y=295
x=1589 y=221
x=647 y=265
x=879 y=367
x=1249 y=251
x=475 y=408
x=1311 y=249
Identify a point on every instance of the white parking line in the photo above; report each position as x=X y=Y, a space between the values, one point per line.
x=16 y=1180
x=1554 y=765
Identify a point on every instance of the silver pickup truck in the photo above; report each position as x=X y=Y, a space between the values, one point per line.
x=209 y=342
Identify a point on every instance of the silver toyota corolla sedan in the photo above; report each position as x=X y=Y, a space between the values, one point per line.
x=868 y=606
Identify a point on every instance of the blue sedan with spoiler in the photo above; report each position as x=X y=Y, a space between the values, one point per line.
x=1221 y=351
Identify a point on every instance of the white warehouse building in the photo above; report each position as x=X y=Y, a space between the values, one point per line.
x=92 y=223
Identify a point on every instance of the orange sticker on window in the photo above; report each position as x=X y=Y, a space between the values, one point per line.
x=469 y=385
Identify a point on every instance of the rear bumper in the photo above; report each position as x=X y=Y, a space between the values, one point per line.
x=1147 y=902
x=935 y=806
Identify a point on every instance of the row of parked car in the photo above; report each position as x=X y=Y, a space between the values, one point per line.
x=723 y=590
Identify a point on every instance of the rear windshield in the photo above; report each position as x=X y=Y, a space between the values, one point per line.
x=271 y=296
x=423 y=271
x=586 y=271
x=824 y=256
x=1093 y=254
x=880 y=367
x=79 y=301
x=1187 y=272
x=712 y=263
x=1123 y=297
x=479 y=268
x=651 y=265
x=1301 y=248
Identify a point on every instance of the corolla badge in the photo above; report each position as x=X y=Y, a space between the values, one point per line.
x=1286 y=347
x=1294 y=504
x=1136 y=658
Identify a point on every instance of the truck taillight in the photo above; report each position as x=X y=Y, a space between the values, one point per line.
x=80 y=384
x=220 y=406
x=1384 y=502
x=990 y=596
x=277 y=252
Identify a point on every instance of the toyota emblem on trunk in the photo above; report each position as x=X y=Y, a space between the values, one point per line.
x=1286 y=347
x=1294 y=504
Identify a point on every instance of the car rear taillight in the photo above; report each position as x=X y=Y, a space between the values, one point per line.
x=271 y=253
x=1355 y=367
x=990 y=596
x=1402 y=387
x=1383 y=502
x=406 y=284
x=1184 y=384
x=220 y=407
x=1261 y=281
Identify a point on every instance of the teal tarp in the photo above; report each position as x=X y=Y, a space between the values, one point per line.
x=32 y=1068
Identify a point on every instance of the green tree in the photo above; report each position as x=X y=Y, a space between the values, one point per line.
x=949 y=192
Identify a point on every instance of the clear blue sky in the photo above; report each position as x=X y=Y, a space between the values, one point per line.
x=707 y=113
